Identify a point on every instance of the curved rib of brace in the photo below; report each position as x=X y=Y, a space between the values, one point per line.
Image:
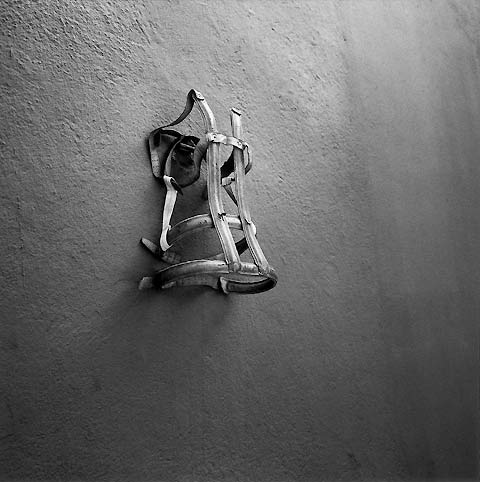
x=225 y=272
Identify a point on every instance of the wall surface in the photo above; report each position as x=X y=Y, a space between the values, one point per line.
x=362 y=363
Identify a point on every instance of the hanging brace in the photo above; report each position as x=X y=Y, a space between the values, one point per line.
x=176 y=160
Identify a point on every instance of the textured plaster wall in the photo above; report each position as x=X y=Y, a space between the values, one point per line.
x=362 y=363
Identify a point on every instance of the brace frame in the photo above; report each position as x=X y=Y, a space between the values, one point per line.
x=225 y=272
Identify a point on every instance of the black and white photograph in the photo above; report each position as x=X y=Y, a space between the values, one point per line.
x=240 y=240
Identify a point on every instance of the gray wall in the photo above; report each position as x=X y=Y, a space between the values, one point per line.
x=362 y=363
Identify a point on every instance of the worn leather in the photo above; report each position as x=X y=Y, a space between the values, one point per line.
x=176 y=159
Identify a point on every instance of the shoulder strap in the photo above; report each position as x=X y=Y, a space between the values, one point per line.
x=191 y=96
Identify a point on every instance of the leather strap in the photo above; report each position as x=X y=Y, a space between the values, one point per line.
x=170 y=199
x=227 y=140
x=191 y=96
